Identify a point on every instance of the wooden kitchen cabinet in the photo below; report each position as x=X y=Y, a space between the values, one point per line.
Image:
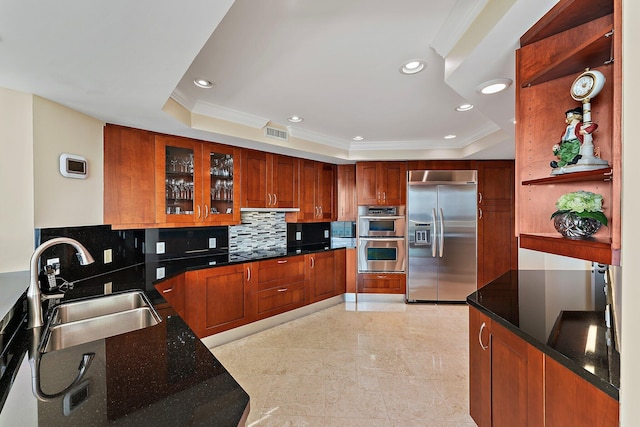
x=381 y=183
x=279 y=286
x=559 y=47
x=347 y=197
x=218 y=298
x=325 y=274
x=382 y=283
x=173 y=291
x=497 y=243
x=479 y=368
x=197 y=183
x=129 y=177
x=269 y=180
x=317 y=193
x=571 y=400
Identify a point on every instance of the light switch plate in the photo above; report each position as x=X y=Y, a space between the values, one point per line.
x=160 y=273
x=298 y=235
x=159 y=247
x=108 y=256
x=326 y=234
x=213 y=242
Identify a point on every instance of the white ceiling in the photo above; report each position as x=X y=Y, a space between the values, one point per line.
x=334 y=62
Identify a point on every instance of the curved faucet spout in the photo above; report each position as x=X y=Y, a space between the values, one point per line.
x=34 y=293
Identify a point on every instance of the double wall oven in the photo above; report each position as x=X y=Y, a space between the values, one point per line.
x=381 y=239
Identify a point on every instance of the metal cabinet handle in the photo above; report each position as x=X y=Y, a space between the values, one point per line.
x=320 y=211
x=269 y=202
x=206 y=211
x=379 y=199
x=283 y=290
x=313 y=262
x=248 y=274
x=384 y=196
x=479 y=197
x=479 y=213
x=166 y=291
x=382 y=277
x=275 y=199
x=199 y=211
x=484 y=347
x=282 y=261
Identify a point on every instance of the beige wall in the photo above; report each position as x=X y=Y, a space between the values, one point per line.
x=61 y=201
x=630 y=380
x=16 y=180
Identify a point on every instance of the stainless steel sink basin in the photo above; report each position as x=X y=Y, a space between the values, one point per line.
x=81 y=321
x=99 y=306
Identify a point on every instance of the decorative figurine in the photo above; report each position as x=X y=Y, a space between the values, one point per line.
x=575 y=152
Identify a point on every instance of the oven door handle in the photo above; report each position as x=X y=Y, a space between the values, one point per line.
x=382 y=239
x=382 y=218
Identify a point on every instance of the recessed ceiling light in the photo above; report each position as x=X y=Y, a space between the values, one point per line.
x=295 y=119
x=358 y=138
x=413 y=66
x=203 y=83
x=494 y=86
x=449 y=136
x=464 y=107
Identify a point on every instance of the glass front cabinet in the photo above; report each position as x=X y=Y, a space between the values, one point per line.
x=201 y=182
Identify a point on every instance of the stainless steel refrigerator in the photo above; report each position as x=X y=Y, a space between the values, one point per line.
x=442 y=235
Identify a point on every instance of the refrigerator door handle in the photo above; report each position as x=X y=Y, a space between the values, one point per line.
x=435 y=233
x=441 y=232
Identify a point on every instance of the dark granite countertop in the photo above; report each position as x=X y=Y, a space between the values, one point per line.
x=557 y=312
x=161 y=375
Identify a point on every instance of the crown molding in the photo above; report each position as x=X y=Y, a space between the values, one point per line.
x=228 y=114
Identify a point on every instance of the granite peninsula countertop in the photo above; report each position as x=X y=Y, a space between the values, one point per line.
x=161 y=375
x=557 y=312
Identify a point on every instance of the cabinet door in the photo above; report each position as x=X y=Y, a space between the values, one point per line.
x=321 y=275
x=309 y=210
x=254 y=179
x=217 y=299
x=367 y=183
x=479 y=368
x=347 y=208
x=129 y=177
x=517 y=380
x=179 y=168
x=340 y=256
x=221 y=184
x=326 y=192
x=373 y=283
x=393 y=185
x=571 y=400
x=172 y=290
x=285 y=181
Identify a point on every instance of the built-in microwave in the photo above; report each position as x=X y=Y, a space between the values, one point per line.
x=381 y=221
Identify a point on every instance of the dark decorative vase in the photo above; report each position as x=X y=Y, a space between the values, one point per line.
x=572 y=226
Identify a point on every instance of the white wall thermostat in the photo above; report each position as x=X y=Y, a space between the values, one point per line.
x=73 y=166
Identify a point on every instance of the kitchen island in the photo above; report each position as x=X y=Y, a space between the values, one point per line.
x=541 y=351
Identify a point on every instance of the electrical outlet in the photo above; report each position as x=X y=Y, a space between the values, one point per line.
x=160 y=273
x=108 y=288
x=159 y=247
x=326 y=234
x=55 y=263
x=213 y=242
x=108 y=256
x=298 y=235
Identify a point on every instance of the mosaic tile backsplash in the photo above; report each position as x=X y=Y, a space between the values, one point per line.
x=259 y=230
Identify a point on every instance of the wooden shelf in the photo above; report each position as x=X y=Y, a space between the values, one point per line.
x=593 y=249
x=587 y=176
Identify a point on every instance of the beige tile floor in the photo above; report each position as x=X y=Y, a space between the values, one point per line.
x=370 y=364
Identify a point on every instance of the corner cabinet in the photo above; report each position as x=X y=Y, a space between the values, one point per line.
x=381 y=183
x=561 y=45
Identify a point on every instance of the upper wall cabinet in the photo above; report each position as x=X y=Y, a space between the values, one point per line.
x=270 y=180
x=573 y=36
x=347 y=206
x=381 y=183
x=153 y=180
x=317 y=192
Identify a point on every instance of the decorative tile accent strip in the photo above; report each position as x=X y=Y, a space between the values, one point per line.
x=258 y=231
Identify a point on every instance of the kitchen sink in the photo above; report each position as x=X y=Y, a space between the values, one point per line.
x=78 y=322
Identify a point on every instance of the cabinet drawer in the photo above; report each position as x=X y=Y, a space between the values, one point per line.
x=280 y=271
x=386 y=283
x=280 y=299
x=172 y=290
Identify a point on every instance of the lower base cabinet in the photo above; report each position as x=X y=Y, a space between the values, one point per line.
x=382 y=283
x=513 y=383
x=326 y=274
x=217 y=299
